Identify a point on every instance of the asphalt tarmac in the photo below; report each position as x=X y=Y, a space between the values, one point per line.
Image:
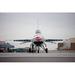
x=51 y=56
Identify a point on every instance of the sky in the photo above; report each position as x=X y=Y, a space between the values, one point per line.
x=24 y=25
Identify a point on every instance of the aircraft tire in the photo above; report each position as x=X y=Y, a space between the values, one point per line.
x=30 y=50
x=38 y=51
x=46 y=50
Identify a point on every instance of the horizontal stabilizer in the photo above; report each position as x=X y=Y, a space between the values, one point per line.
x=50 y=40
x=25 y=40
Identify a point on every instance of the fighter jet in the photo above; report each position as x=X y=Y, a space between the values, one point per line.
x=37 y=42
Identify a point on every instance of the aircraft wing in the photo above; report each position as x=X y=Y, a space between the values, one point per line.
x=50 y=40
x=23 y=40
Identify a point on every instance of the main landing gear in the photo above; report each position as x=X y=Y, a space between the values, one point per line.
x=36 y=48
x=33 y=51
x=46 y=50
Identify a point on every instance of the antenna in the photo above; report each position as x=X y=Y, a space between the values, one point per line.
x=37 y=24
x=38 y=30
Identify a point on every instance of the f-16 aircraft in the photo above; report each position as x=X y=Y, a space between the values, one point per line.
x=38 y=42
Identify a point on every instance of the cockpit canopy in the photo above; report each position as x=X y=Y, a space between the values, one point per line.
x=38 y=32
